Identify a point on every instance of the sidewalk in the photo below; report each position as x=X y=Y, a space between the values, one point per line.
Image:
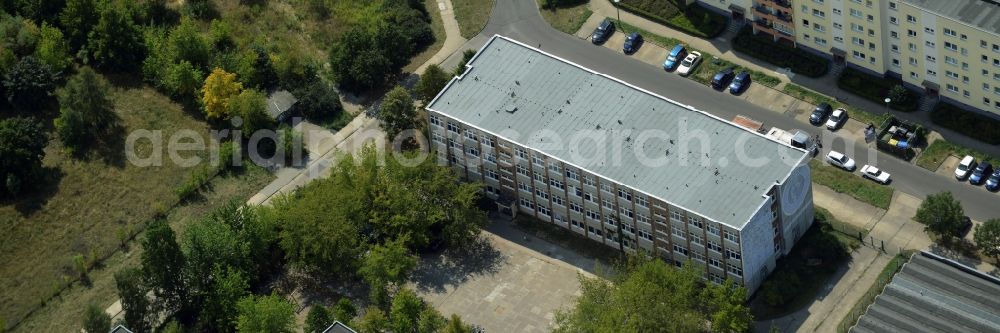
x=827 y=85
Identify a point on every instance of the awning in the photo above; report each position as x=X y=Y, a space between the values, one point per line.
x=838 y=52
x=737 y=9
x=930 y=85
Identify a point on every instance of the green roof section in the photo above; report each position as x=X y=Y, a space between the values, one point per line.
x=618 y=131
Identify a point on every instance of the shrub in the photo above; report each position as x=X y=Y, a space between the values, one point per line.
x=974 y=125
x=318 y=101
x=29 y=83
x=553 y=4
x=693 y=20
x=876 y=89
x=762 y=47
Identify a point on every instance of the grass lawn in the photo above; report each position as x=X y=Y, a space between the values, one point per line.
x=472 y=15
x=810 y=278
x=692 y=19
x=568 y=19
x=708 y=67
x=65 y=312
x=935 y=154
x=815 y=98
x=854 y=185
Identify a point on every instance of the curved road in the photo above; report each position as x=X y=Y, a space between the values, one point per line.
x=520 y=20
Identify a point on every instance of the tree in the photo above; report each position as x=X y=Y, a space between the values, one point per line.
x=941 y=215
x=85 y=111
x=163 y=265
x=387 y=264
x=318 y=319
x=358 y=64
x=53 y=49
x=344 y=310
x=405 y=311
x=899 y=95
x=186 y=43
x=373 y=321
x=209 y=244
x=431 y=82
x=221 y=35
x=648 y=295
x=132 y=293
x=251 y=106
x=115 y=42
x=77 y=18
x=95 y=319
x=18 y=34
x=466 y=57
x=220 y=309
x=219 y=88
x=987 y=237
x=265 y=314
x=455 y=325
x=182 y=81
x=255 y=68
x=29 y=83
x=430 y=321
x=22 y=148
x=397 y=112
x=318 y=101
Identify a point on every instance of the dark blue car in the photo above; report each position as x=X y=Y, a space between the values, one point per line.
x=740 y=83
x=993 y=183
x=979 y=175
x=602 y=32
x=632 y=43
x=721 y=79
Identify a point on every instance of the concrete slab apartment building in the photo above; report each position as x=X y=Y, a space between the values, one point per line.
x=621 y=165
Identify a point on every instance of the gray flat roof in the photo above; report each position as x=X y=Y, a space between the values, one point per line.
x=983 y=14
x=932 y=294
x=528 y=96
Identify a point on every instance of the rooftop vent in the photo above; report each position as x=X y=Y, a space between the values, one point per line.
x=510 y=108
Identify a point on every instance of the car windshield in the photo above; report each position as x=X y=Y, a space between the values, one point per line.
x=835 y=118
x=963 y=167
x=979 y=171
x=842 y=159
x=671 y=58
x=686 y=62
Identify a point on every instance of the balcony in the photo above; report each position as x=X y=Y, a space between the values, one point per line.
x=771 y=14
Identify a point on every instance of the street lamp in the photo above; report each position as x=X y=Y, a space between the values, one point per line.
x=619 y=13
x=887 y=100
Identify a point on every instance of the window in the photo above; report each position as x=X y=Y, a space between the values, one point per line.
x=859 y=55
x=714 y=246
x=524 y=187
x=677 y=232
x=556 y=184
x=695 y=222
x=606 y=187
x=949 y=32
x=965 y=66
x=435 y=120
x=950 y=46
x=931 y=73
x=641 y=201
x=732 y=254
x=554 y=168
x=491 y=174
x=472 y=151
x=645 y=235
x=697 y=239
x=593 y=215
x=892 y=19
x=951 y=74
x=838 y=26
x=913 y=61
x=607 y=204
x=871 y=18
x=712 y=229
x=625 y=212
x=895 y=62
x=911 y=33
x=521 y=153
x=680 y=249
x=452 y=128
x=698 y=256
x=911 y=19
x=857 y=27
x=858 y=41
x=625 y=194
x=537 y=159
x=588 y=180
x=575 y=207
x=928 y=30
x=522 y=170
x=818 y=27
x=982 y=43
x=838 y=39
x=557 y=200
x=820 y=41
x=437 y=137
x=642 y=219
x=929 y=44
x=544 y=210
x=950 y=61
x=676 y=216
x=732 y=237
x=540 y=177
x=856 y=13
x=894 y=34
x=894 y=48
x=571 y=174
x=469 y=134
x=735 y=270
x=715 y=263
x=892 y=5
x=931 y=59
x=965 y=93
x=818 y=13
x=952 y=88
x=805 y=23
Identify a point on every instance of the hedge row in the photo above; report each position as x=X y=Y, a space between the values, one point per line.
x=971 y=124
x=762 y=47
x=876 y=89
x=695 y=20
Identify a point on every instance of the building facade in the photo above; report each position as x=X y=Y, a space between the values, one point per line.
x=948 y=48
x=502 y=121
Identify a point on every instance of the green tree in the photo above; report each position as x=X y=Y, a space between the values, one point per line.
x=387 y=265
x=35 y=9
x=22 y=148
x=265 y=314
x=455 y=325
x=251 y=106
x=373 y=321
x=254 y=230
x=405 y=312
x=466 y=57
x=18 y=34
x=431 y=82
x=220 y=309
x=208 y=244
x=358 y=63
x=94 y=319
x=318 y=101
x=85 y=111
x=163 y=265
x=344 y=310
x=987 y=238
x=29 y=83
x=397 y=113
x=899 y=95
x=648 y=295
x=115 y=42
x=77 y=19
x=132 y=292
x=941 y=215
x=255 y=68
x=221 y=35
x=186 y=43
x=53 y=49
x=318 y=319
x=430 y=321
x=182 y=81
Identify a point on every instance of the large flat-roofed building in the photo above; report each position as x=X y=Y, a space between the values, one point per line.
x=621 y=165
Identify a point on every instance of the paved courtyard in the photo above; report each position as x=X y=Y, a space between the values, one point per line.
x=502 y=285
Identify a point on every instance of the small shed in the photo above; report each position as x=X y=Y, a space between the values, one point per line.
x=338 y=327
x=120 y=329
x=279 y=104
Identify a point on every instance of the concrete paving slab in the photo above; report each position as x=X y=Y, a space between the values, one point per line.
x=847 y=209
x=588 y=27
x=947 y=168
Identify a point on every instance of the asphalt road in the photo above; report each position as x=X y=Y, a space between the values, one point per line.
x=520 y=20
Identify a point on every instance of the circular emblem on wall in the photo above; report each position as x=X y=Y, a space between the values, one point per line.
x=795 y=190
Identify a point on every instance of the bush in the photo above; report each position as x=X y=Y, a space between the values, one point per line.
x=22 y=148
x=974 y=125
x=318 y=101
x=553 y=4
x=763 y=48
x=29 y=83
x=693 y=20
x=876 y=89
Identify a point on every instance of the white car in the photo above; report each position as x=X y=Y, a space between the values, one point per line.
x=837 y=119
x=840 y=160
x=965 y=167
x=873 y=173
x=689 y=63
